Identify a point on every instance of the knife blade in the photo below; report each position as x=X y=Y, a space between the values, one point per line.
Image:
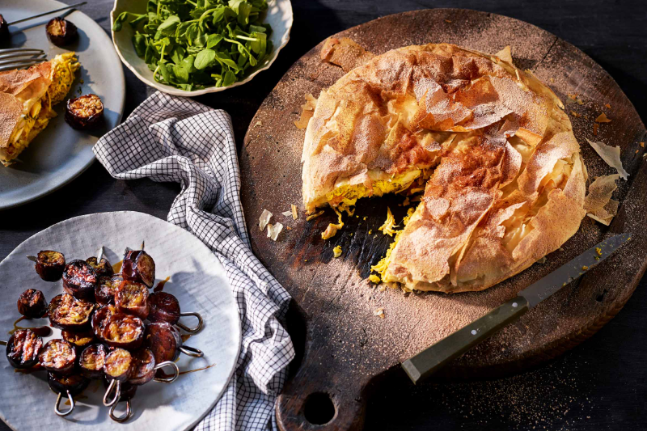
x=435 y=357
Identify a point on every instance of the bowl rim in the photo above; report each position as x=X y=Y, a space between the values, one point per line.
x=183 y=93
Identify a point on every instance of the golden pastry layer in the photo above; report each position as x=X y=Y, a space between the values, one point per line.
x=505 y=182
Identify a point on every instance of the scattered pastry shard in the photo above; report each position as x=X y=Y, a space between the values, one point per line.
x=598 y=203
x=505 y=182
x=611 y=155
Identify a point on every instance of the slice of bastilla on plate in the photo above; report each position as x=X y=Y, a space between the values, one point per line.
x=26 y=100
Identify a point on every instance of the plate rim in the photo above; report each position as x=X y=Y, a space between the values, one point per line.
x=239 y=331
x=182 y=93
x=75 y=175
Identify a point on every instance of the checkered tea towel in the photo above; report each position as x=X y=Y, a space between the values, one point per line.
x=176 y=139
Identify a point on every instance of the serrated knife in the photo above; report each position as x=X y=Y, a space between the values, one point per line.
x=435 y=357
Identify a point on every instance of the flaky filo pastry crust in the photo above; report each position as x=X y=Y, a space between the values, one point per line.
x=505 y=179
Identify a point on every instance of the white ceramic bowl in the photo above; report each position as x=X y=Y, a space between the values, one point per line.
x=279 y=16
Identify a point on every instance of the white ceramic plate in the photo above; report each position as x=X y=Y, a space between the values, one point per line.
x=197 y=280
x=279 y=16
x=59 y=153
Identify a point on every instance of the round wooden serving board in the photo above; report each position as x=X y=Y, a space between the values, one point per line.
x=347 y=345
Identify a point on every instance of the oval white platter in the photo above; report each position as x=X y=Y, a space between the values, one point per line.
x=197 y=279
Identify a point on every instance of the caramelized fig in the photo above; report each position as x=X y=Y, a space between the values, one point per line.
x=164 y=307
x=138 y=266
x=58 y=356
x=164 y=340
x=105 y=291
x=144 y=370
x=84 y=112
x=100 y=319
x=50 y=265
x=69 y=313
x=123 y=331
x=103 y=268
x=119 y=365
x=32 y=304
x=80 y=340
x=92 y=360
x=79 y=279
x=61 y=32
x=132 y=298
x=5 y=37
x=23 y=347
x=61 y=384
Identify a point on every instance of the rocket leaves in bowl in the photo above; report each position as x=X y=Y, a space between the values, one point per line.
x=194 y=44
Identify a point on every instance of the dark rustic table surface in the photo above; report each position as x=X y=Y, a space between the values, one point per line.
x=600 y=385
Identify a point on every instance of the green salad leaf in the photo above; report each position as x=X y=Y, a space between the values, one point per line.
x=195 y=44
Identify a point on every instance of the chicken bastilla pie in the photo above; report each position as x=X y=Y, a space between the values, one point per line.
x=504 y=182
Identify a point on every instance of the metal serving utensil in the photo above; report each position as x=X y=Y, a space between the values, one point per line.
x=435 y=357
x=47 y=13
x=57 y=409
x=195 y=329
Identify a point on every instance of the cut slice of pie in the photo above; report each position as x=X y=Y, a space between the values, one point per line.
x=504 y=180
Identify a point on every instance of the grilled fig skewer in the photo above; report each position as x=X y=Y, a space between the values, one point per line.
x=23 y=348
x=164 y=307
x=80 y=340
x=118 y=368
x=132 y=298
x=138 y=266
x=50 y=265
x=105 y=291
x=165 y=342
x=102 y=268
x=66 y=386
x=61 y=32
x=32 y=304
x=127 y=393
x=84 y=112
x=92 y=360
x=58 y=356
x=122 y=331
x=146 y=367
x=79 y=279
x=69 y=313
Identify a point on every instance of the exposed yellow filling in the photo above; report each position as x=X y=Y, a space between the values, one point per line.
x=383 y=264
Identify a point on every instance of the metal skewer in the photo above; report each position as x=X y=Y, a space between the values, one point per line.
x=47 y=13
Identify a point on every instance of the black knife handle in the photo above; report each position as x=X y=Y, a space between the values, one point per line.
x=432 y=359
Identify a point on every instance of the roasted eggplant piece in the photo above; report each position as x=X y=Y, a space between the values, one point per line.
x=132 y=298
x=50 y=265
x=61 y=384
x=69 y=313
x=58 y=356
x=123 y=331
x=23 y=347
x=32 y=304
x=103 y=268
x=119 y=365
x=61 y=32
x=92 y=360
x=84 y=112
x=138 y=266
x=5 y=37
x=164 y=307
x=144 y=369
x=80 y=340
x=100 y=319
x=165 y=342
x=79 y=279
x=105 y=291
